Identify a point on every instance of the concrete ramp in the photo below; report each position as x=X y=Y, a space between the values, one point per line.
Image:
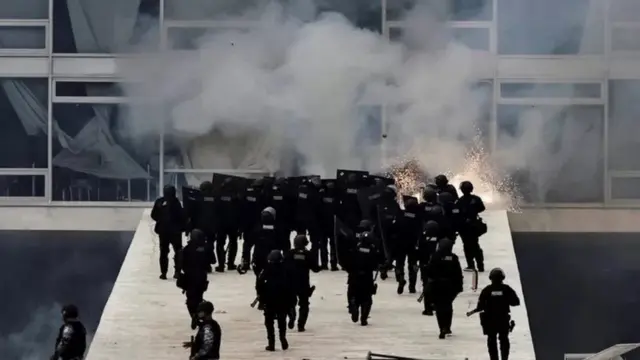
x=145 y=318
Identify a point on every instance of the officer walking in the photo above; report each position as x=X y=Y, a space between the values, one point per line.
x=72 y=336
x=445 y=277
x=494 y=307
x=206 y=345
x=471 y=226
x=275 y=291
x=361 y=286
x=301 y=261
x=193 y=281
x=170 y=221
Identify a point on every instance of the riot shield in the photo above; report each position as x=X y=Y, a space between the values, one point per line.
x=343 y=236
x=191 y=200
x=406 y=198
x=342 y=175
x=369 y=198
x=219 y=179
x=386 y=180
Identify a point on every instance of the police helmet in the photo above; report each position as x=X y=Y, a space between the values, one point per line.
x=365 y=224
x=431 y=228
x=430 y=195
x=496 y=274
x=331 y=184
x=300 y=241
x=269 y=211
x=392 y=188
x=206 y=307
x=466 y=187
x=206 y=186
x=275 y=256
x=280 y=181
x=258 y=182
x=70 y=311
x=446 y=197
x=411 y=202
x=197 y=236
x=169 y=191
x=366 y=236
x=441 y=180
x=378 y=182
x=315 y=181
x=445 y=246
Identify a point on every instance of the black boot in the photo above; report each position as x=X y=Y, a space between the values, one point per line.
x=364 y=316
x=355 y=312
x=302 y=320
x=292 y=318
x=480 y=259
x=401 y=285
x=271 y=341
x=283 y=342
x=164 y=266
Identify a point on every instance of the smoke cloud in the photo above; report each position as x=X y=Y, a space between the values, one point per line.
x=302 y=83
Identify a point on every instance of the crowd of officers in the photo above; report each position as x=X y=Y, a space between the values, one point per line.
x=357 y=222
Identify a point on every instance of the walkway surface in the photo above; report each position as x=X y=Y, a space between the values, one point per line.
x=145 y=318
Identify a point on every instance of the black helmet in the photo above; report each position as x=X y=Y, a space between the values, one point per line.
x=206 y=186
x=365 y=224
x=258 y=182
x=275 y=256
x=300 y=241
x=431 y=228
x=206 y=307
x=411 y=202
x=269 y=211
x=466 y=187
x=430 y=195
x=441 y=180
x=280 y=181
x=446 y=198
x=197 y=236
x=445 y=246
x=378 y=182
x=70 y=311
x=366 y=236
x=496 y=275
x=331 y=184
x=315 y=181
x=169 y=191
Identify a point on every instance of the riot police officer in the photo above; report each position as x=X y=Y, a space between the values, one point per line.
x=471 y=226
x=410 y=229
x=328 y=253
x=170 y=221
x=194 y=264
x=206 y=345
x=301 y=261
x=266 y=239
x=361 y=286
x=227 y=206
x=442 y=185
x=207 y=220
x=71 y=342
x=432 y=210
x=276 y=298
x=445 y=278
x=426 y=248
x=494 y=307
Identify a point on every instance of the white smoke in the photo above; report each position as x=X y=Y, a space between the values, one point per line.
x=244 y=98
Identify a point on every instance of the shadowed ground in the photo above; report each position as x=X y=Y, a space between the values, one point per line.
x=581 y=290
x=40 y=271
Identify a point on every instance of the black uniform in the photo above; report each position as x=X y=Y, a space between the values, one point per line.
x=451 y=221
x=71 y=342
x=426 y=248
x=267 y=239
x=410 y=229
x=253 y=202
x=308 y=215
x=388 y=213
x=206 y=344
x=361 y=286
x=328 y=254
x=207 y=220
x=170 y=221
x=193 y=281
x=470 y=207
x=227 y=210
x=494 y=306
x=442 y=186
x=349 y=206
x=280 y=200
x=445 y=283
x=276 y=294
x=300 y=262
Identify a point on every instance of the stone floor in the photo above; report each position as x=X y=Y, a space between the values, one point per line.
x=145 y=318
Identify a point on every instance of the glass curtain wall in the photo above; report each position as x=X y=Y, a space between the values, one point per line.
x=65 y=137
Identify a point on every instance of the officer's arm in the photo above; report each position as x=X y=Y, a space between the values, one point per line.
x=483 y=300
x=312 y=263
x=513 y=298
x=65 y=340
x=459 y=274
x=480 y=206
x=208 y=340
x=155 y=210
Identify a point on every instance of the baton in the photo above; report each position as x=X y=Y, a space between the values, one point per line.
x=255 y=301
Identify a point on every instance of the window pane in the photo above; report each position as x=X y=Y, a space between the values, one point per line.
x=624 y=125
x=196 y=178
x=625 y=10
x=212 y=9
x=554 y=152
x=99 y=27
x=74 y=88
x=550 y=27
x=23 y=109
x=104 y=157
x=184 y=38
x=23 y=37
x=454 y=10
x=625 y=188
x=625 y=39
x=473 y=38
x=24 y=9
x=22 y=185
x=550 y=90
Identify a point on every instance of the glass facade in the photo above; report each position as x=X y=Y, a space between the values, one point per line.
x=64 y=102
